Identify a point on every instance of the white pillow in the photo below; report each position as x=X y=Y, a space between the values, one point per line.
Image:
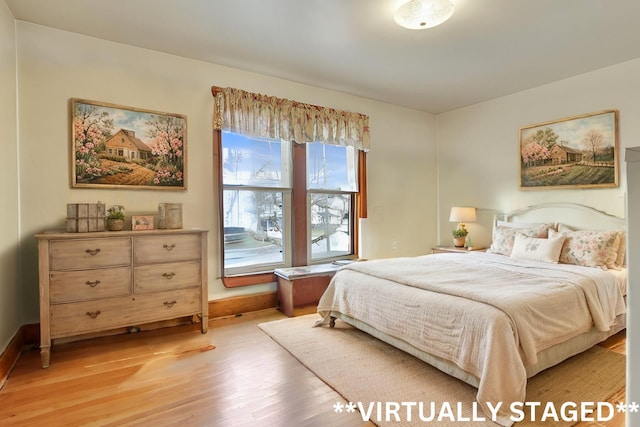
x=537 y=249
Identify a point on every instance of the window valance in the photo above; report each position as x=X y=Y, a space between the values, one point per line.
x=265 y=116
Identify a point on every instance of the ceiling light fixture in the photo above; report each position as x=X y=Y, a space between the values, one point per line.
x=421 y=14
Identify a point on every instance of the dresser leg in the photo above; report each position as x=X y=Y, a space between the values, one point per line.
x=204 y=325
x=45 y=354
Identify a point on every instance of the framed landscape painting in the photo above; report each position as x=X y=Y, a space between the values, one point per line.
x=576 y=152
x=113 y=146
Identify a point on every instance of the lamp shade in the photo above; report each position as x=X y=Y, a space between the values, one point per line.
x=462 y=214
x=421 y=14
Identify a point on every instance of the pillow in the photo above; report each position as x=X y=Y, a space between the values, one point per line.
x=617 y=256
x=537 y=249
x=588 y=248
x=621 y=259
x=503 y=237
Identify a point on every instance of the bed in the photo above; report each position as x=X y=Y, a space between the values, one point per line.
x=552 y=285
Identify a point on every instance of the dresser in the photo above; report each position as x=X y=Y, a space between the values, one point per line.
x=97 y=281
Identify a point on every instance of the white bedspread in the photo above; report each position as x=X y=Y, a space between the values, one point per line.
x=486 y=313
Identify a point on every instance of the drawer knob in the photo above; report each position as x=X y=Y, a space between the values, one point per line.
x=93 y=314
x=169 y=303
x=92 y=284
x=169 y=247
x=93 y=252
x=168 y=276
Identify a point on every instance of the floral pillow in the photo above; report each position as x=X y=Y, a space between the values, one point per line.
x=504 y=237
x=537 y=249
x=616 y=258
x=589 y=248
x=621 y=259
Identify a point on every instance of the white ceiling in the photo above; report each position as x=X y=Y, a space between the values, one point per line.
x=489 y=48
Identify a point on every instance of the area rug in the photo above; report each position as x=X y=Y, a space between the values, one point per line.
x=364 y=369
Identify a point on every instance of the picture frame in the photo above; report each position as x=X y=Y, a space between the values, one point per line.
x=574 y=152
x=114 y=146
x=141 y=222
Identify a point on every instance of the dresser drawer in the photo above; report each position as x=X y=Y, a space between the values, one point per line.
x=168 y=305
x=166 y=248
x=90 y=316
x=83 y=285
x=89 y=253
x=166 y=277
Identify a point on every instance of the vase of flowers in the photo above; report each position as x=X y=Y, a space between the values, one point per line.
x=115 y=218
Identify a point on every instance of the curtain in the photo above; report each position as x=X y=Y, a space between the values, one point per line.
x=265 y=116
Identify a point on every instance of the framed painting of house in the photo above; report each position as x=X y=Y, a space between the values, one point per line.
x=113 y=146
x=575 y=152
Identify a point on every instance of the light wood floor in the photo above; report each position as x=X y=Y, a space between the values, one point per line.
x=233 y=376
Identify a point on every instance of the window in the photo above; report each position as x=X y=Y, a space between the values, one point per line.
x=260 y=178
x=256 y=198
x=332 y=185
x=286 y=203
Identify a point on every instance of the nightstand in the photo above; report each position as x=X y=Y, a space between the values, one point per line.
x=444 y=249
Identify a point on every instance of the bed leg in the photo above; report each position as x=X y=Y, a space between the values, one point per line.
x=332 y=321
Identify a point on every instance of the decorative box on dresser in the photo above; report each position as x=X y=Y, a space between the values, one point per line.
x=97 y=281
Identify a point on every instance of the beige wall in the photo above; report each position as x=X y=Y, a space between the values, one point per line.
x=10 y=318
x=478 y=146
x=55 y=66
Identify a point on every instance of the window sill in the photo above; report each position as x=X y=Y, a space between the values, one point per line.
x=248 y=280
